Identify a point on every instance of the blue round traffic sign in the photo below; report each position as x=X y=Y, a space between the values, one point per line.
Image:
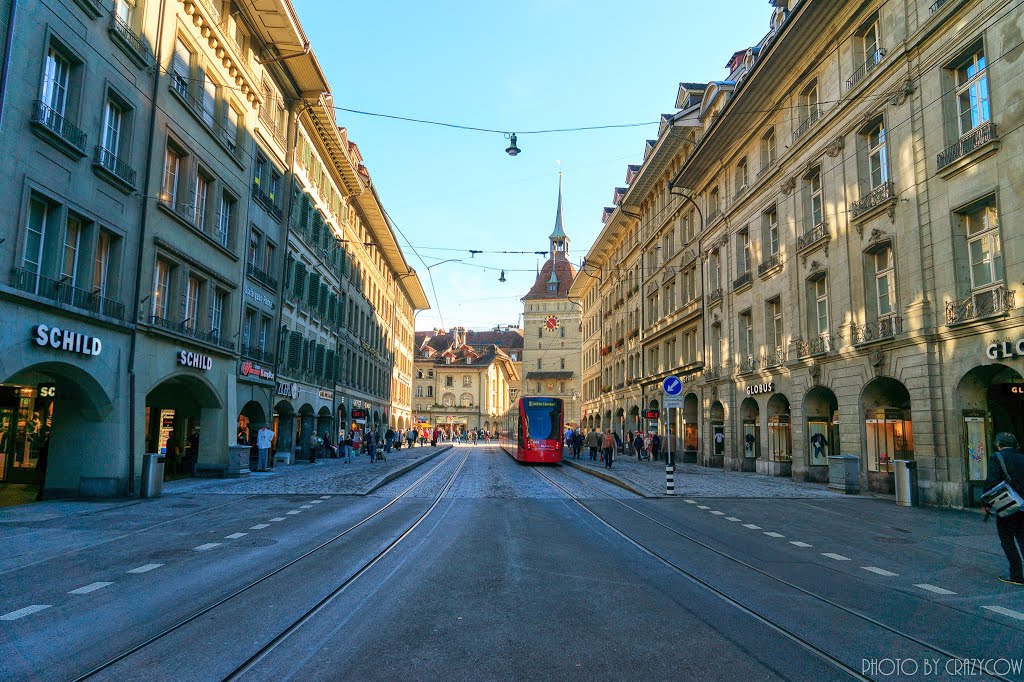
x=672 y=386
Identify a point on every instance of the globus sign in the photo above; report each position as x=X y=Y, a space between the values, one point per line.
x=758 y=389
x=1005 y=349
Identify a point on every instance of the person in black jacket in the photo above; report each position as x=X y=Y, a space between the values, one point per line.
x=1010 y=528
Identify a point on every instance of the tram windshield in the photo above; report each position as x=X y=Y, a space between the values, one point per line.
x=543 y=418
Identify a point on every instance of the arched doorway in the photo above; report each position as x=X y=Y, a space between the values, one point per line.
x=342 y=422
x=606 y=423
x=822 y=411
x=250 y=419
x=990 y=399
x=634 y=413
x=717 y=415
x=284 y=432
x=47 y=412
x=888 y=431
x=691 y=432
x=750 y=434
x=780 y=437
x=305 y=428
x=325 y=425
x=183 y=422
x=376 y=418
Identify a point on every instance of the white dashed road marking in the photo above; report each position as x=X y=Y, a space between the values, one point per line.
x=325 y=497
x=306 y=506
x=933 y=588
x=293 y=511
x=880 y=571
x=837 y=557
x=145 y=568
x=731 y=518
x=21 y=613
x=702 y=506
x=235 y=536
x=798 y=543
x=690 y=501
x=772 y=534
x=259 y=526
x=92 y=587
x=277 y=518
x=316 y=501
x=208 y=545
x=718 y=513
x=751 y=526
x=997 y=609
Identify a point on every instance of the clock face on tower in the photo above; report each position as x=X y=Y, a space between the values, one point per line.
x=551 y=323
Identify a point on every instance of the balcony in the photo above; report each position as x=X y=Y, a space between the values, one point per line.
x=774 y=359
x=261 y=277
x=819 y=345
x=267 y=202
x=742 y=281
x=257 y=354
x=747 y=365
x=182 y=329
x=713 y=215
x=980 y=305
x=864 y=69
x=114 y=168
x=225 y=135
x=53 y=127
x=713 y=372
x=768 y=264
x=812 y=117
x=974 y=139
x=879 y=196
x=61 y=291
x=885 y=327
x=812 y=237
x=130 y=42
x=715 y=296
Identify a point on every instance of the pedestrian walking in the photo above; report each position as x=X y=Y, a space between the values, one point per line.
x=347 y=444
x=1007 y=464
x=608 y=446
x=577 y=442
x=638 y=446
x=371 y=444
x=655 y=447
x=593 y=443
x=389 y=438
x=264 y=439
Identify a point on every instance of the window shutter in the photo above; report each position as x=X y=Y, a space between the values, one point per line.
x=319 y=367
x=300 y=280
x=314 y=289
x=294 y=349
x=323 y=300
x=282 y=344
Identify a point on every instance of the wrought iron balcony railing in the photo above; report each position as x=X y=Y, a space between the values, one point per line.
x=743 y=280
x=261 y=277
x=183 y=329
x=878 y=196
x=62 y=291
x=981 y=304
x=715 y=296
x=131 y=39
x=885 y=327
x=864 y=69
x=712 y=372
x=118 y=168
x=819 y=345
x=812 y=117
x=773 y=359
x=257 y=354
x=54 y=123
x=266 y=201
x=768 y=263
x=747 y=365
x=812 y=236
x=979 y=136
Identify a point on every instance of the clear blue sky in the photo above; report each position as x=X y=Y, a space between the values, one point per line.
x=510 y=66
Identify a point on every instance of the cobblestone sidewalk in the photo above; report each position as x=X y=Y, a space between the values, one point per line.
x=648 y=478
x=327 y=476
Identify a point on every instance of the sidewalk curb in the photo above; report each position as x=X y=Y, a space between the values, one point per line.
x=401 y=471
x=607 y=477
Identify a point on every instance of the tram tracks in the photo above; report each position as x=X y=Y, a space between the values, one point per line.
x=297 y=623
x=766 y=620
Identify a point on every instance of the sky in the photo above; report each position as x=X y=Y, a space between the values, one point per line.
x=527 y=65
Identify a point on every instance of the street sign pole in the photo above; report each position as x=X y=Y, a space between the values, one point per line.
x=672 y=388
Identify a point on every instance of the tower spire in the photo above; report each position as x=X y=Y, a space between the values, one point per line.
x=559 y=240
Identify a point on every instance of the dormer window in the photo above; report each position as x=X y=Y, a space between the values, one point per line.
x=552 y=287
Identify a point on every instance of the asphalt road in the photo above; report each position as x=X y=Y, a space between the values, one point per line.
x=515 y=573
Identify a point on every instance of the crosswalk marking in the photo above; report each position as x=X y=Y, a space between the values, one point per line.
x=751 y=526
x=235 y=536
x=21 y=613
x=934 y=588
x=773 y=534
x=91 y=587
x=798 y=543
x=1006 y=612
x=145 y=568
x=259 y=526
x=207 y=546
x=880 y=571
x=837 y=557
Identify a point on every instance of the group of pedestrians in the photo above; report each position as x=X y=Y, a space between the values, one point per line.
x=598 y=443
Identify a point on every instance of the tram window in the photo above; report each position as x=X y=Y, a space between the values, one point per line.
x=542 y=419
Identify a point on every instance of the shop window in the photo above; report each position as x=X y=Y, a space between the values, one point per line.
x=819 y=441
x=780 y=441
x=889 y=437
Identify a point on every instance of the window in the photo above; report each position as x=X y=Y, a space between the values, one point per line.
x=820 y=290
x=161 y=289
x=191 y=302
x=113 y=123
x=984 y=246
x=768 y=149
x=878 y=156
x=539 y=363
x=741 y=175
x=773 y=320
x=808 y=108
x=172 y=175
x=746 y=332
x=37 y=235
x=561 y=363
x=254 y=248
x=208 y=95
x=714 y=205
x=885 y=286
x=971 y=82
x=716 y=344
x=467 y=380
x=181 y=68
x=56 y=81
x=230 y=125
x=101 y=265
x=72 y=245
x=449 y=381
x=269 y=256
x=225 y=219
x=815 y=200
x=770 y=232
x=217 y=314
x=743 y=251
x=715 y=271
x=199 y=199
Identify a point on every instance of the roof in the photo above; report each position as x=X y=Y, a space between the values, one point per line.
x=549 y=375
x=460 y=343
x=563 y=270
x=559 y=231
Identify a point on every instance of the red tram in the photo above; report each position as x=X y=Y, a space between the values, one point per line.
x=532 y=430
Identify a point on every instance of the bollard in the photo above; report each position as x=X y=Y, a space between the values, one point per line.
x=670 y=479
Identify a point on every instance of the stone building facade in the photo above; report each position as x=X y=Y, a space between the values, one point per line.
x=155 y=152
x=850 y=226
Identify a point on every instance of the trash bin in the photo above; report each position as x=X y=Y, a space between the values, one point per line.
x=152 y=475
x=906 y=482
x=844 y=473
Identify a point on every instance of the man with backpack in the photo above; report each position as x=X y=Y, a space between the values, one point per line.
x=1007 y=464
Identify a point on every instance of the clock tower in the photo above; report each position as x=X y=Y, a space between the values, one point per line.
x=551 y=327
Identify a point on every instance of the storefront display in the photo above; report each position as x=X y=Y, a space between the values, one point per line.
x=889 y=436
x=780 y=442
